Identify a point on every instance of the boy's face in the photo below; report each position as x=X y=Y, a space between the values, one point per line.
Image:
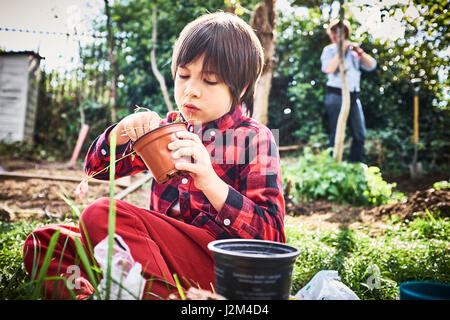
x=201 y=97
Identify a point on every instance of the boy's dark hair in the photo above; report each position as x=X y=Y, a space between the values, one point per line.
x=334 y=27
x=231 y=48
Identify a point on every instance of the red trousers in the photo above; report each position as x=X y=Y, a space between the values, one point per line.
x=162 y=245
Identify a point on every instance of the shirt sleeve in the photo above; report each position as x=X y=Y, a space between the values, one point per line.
x=327 y=54
x=256 y=210
x=98 y=156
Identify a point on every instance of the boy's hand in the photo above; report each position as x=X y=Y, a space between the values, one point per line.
x=135 y=125
x=188 y=145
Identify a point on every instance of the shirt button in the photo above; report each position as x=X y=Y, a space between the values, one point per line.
x=103 y=152
x=184 y=180
x=226 y=222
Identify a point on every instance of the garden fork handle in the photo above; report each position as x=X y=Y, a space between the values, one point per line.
x=416 y=119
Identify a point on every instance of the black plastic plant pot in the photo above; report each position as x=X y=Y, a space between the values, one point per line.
x=253 y=269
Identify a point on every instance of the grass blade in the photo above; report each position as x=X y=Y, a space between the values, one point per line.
x=60 y=262
x=212 y=288
x=112 y=212
x=180 y=289
x=430 y=215
x=91 y=250
x=73 y=207
x=85 y=260
x=45 y=264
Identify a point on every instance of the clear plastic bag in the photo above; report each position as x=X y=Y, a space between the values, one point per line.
x=326 y=285
x=127 y=282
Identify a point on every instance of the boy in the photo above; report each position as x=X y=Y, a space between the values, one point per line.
x=215 y=65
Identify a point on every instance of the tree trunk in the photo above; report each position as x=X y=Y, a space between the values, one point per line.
x=261 y=101
x=263 y=22
x=158 y=75
x=112 y=62
x=345 y=107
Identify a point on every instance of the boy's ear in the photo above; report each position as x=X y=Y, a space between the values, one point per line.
x=243 y=91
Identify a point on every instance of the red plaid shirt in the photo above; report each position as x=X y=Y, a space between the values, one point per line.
x=243 y=154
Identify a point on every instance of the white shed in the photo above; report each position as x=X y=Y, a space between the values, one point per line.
x=19 y=85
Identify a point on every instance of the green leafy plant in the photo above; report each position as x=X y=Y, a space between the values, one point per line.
x=441 y=185
x=318 y=176
x=406 y=251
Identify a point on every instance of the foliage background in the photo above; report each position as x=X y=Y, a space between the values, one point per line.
x=298 y=83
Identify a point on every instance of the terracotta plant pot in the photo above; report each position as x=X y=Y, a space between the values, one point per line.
x=152 y=148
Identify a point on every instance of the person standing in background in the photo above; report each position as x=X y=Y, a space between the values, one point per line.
x=355 y=60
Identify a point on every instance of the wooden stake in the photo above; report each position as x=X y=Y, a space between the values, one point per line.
x=133 y=187
x=122 y=182
x=76 y=151
x=338 y=150
x=416 y=119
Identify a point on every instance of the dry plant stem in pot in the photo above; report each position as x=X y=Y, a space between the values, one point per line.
x=152 y=148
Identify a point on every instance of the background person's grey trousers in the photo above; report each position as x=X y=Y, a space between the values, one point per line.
x=355 y=121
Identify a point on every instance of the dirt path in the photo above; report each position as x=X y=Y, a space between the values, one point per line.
x=328 y=216
x=39 y=198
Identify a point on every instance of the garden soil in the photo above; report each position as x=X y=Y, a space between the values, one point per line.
x=42 y=199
